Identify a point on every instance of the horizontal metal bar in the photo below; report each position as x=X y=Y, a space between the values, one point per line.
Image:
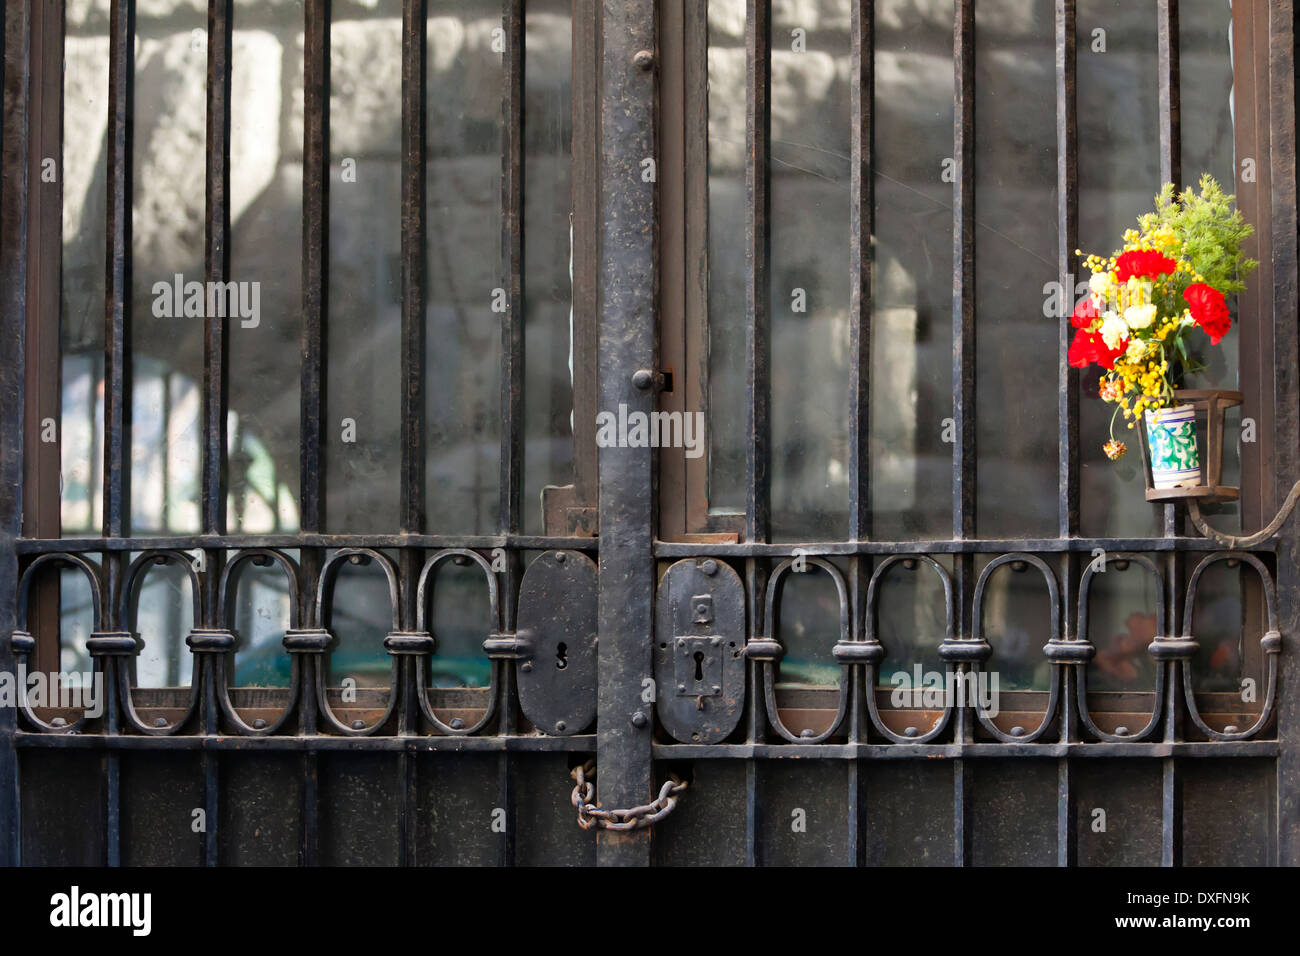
x=1243 y=748
x=679 y=549
x=518 y=542
x=582 y=743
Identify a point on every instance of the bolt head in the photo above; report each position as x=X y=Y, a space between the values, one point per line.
x=559 y=557
x=639 y=720
x=1230 y=729
x=58 y=722
x=526 y=666
x=358 y=725
x=1017 y=731
x=259 y=724
x=1121 y=731
x=709 y=567
x=456 y=724
x=910 y=732
x=560 y=726
x=160 y=721
x=643 y=59
x=642 y=378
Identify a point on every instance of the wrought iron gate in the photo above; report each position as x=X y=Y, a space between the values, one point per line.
x=643 y=657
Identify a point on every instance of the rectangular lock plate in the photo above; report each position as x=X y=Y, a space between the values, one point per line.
x=697 y=665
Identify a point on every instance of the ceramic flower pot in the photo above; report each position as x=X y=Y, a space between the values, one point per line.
x=1171 y=440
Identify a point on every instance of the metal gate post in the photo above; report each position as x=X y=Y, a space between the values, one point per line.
x=627 y=301
x=13 y=328
x=1286 y=350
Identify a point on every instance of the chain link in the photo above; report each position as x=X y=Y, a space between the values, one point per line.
x=591 y=815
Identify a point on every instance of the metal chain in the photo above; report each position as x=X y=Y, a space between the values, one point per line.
x=591 y=815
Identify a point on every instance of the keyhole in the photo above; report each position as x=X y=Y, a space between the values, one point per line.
x=699 y=666
x=561 y=656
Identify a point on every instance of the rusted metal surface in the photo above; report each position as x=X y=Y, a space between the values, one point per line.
x=556 y=641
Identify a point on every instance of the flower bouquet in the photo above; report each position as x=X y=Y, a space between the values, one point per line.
x=1150 y=307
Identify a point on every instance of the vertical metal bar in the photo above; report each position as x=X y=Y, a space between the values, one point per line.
x=1067 y=840
x=1067 y=226
x=1171 y=804
x=315 y=258
x=860 y=267
x=963 y=373
x=512 y=255
x=1171 y=150
x=1286 y=389
x=412 y=491
x=961 y=833
x=963 y=279
x=117 y=377
x=758 y=248
x=413 y=231
x=315 y=265
x=1171 y=814
x=628 y=294
x=1067 y=409
x=13 y=322
x=216 y=261
x=861 y=224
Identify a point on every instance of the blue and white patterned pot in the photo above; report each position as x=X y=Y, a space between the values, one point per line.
x=1171 y=439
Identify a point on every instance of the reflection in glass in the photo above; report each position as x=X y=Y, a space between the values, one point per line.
x=361 y=440
x=84 y=177
x=1015 y=235
x=266 y=102
x=259 y=597
x=725 y=426
x=810 y=194
x=1119 y=135
x=169 y=143
x=161 y=616
x=548 y=314
x=911 y=307
x=463 y=255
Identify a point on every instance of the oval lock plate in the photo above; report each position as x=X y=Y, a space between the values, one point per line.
x=557 y=617
x=699 y=650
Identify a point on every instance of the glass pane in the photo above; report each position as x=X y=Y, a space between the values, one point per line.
x=911 y=308
x=163 y=613
x=1017 y=622
x=259 y=600
x=266 y=103
x=362 y=425
x=459 y=617
x=548 y=317
x=1208 y=141
x=359 y=615
x=463 y=243
x=1015 y=261
x=726 y=402
x=808 y=625
x=168 y=297
x=810 y=295
x=1117 y=183
x=84 y=173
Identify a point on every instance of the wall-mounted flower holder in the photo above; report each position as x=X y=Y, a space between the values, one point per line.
x=1198 y=480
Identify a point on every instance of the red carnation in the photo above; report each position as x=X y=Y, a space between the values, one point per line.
x=1091 y=347
x=1144 y=263
x=1084 y=314
x=1209 y=310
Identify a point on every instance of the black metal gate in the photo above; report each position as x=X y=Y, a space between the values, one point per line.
x=650 y=660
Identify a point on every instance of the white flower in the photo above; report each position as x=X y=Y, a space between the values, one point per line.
x=1114 y=330
x=1136 y=349
x=1140 y=316
x=1099 y=284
